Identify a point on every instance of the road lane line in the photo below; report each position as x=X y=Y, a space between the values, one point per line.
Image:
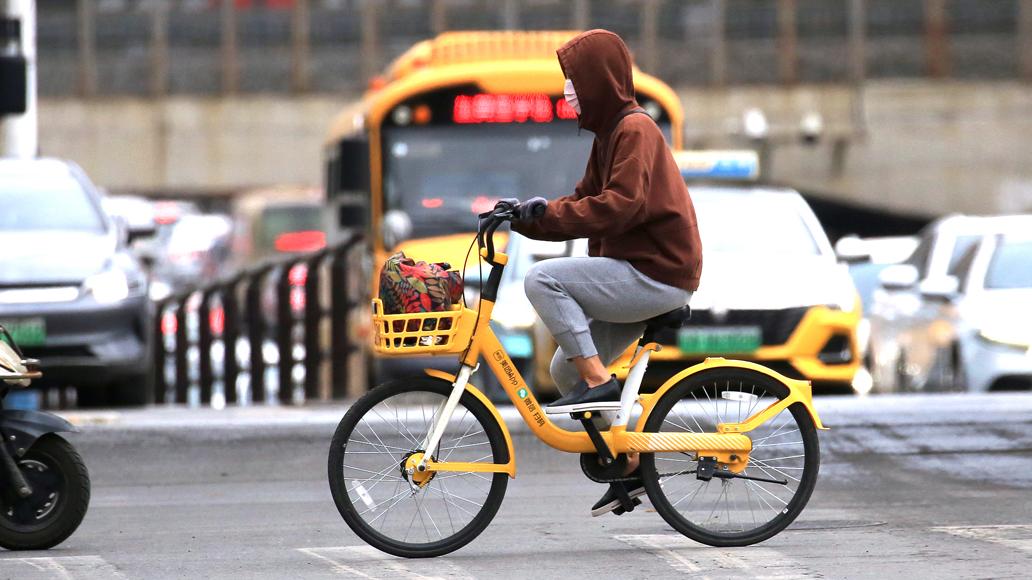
x=658 y=545
x=1018 y=536
x=687 y=556
x=61 y=567
x=368 y=562
x=337 y=566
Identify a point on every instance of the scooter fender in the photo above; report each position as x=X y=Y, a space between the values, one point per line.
x=21 y=429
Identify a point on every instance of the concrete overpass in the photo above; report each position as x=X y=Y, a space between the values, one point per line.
x=926 y=147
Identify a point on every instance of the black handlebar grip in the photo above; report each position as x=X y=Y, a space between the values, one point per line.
x=489 y=238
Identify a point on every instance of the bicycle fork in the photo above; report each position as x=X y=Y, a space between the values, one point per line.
x=442 y=417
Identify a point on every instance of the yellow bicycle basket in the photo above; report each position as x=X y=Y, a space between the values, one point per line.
x=422 y=333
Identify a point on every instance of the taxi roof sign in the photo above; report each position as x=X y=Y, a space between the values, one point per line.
x=730 y=165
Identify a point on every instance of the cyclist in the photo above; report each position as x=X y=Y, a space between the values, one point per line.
x=645 y=255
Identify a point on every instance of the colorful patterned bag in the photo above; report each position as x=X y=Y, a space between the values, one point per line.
x=407 y=286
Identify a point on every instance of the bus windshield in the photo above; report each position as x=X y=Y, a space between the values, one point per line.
x=443 y=176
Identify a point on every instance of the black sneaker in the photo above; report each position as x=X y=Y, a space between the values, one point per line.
x=611 y=503
x=605 y=397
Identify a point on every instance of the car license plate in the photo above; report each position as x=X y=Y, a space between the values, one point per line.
x=722 y=340
x=27 y=331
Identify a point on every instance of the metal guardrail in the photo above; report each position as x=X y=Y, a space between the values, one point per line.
x=237 y=305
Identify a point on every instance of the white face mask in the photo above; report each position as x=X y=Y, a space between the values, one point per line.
x=571 y=96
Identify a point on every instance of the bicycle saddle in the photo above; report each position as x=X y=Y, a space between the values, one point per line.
x=673 y=319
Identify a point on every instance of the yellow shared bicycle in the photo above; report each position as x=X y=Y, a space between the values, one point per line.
x=418 y=467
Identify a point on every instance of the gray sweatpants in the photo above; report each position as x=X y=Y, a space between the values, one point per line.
x=595 y=306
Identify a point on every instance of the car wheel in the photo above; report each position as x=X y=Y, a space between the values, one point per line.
x=903 y=383
x=959 y=382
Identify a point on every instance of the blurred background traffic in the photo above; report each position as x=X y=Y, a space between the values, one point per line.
x=195 y=195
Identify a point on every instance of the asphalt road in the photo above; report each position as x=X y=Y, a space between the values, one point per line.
x=913 y=487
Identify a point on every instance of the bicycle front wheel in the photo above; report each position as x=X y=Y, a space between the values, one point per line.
x=428 y=514
x=732 y=511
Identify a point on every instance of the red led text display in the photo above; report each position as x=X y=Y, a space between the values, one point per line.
x=500 y=108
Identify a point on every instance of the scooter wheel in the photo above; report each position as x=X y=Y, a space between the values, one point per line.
x=60 y=497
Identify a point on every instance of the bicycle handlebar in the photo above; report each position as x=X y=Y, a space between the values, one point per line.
x=502 y=212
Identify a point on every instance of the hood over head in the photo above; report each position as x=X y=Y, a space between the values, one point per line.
x=599 y=65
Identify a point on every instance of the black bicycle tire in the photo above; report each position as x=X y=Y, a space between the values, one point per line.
x=470 y=531
x=72 y=510
x=811 y=446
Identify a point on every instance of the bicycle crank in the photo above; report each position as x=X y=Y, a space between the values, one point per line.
x=707 y=470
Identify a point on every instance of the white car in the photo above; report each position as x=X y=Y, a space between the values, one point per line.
x=913 y=344
x=994 y=314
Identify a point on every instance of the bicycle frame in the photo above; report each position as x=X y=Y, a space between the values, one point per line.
x=729 y=445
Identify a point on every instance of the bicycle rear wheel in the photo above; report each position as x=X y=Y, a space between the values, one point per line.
x=375 y=495
x=732 y=512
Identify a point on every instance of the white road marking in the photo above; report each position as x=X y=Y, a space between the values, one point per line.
x=59 y=567
x=1018 y=536
x=368 y=562
x=659 y=545
x=687 y=556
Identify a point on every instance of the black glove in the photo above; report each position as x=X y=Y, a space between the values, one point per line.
x=507 y=203
x=532 y=209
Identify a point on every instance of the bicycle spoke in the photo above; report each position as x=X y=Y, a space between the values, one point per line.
x=698 y=488
x=383 y=473
x=375 y=473
x=748 y=499
x=783 y=458
x=400 y=496
x=761 y=465
x=447 y=510
x=723 y=491
x=448 y=501
x=429 y=517
x=749 y=483
x=682 y=426
x=385 y=447
x=755 y=441
x=408 y=435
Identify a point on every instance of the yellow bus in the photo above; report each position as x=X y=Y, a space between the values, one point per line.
x=456 y=123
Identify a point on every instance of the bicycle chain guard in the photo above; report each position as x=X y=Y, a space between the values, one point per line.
x=591 y=465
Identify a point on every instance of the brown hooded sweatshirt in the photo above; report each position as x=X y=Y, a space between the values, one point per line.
x=632 y=203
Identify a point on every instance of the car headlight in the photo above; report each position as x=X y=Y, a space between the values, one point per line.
x=846 y=301
x=159 y=290
x=108 y=286
x=1017 y=335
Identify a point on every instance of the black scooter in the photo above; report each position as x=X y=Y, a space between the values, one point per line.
x=44 y=485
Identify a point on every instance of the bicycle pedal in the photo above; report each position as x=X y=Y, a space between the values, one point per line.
x=635 y=502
